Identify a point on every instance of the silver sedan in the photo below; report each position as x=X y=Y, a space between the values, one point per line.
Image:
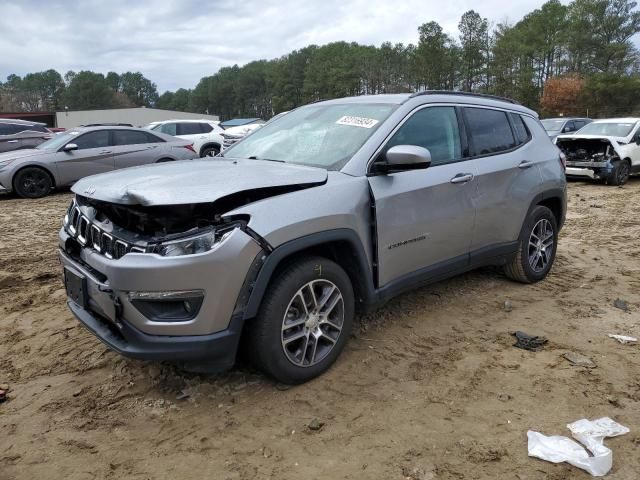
x=78 y=153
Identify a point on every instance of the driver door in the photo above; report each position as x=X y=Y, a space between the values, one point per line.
x=425 y=218
x=94 y=155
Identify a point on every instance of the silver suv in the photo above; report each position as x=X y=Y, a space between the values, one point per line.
x=330 y=210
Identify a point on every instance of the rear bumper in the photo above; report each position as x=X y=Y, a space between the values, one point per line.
x=217 y=349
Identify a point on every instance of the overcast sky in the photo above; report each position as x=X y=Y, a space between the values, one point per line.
x=176 y=42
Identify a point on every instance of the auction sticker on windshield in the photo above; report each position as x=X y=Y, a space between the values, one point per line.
x=357 y=121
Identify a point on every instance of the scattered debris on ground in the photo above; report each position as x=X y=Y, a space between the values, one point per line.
x=590 y=454
x=621 y=304
x=4 y=389
x=315 y=425
x=579 y=360
x=533 y=343
x=623 y=338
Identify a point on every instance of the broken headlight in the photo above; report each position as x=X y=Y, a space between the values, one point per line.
x=200 y=243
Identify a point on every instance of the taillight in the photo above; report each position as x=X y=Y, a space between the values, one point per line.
x=189 y=147
x=563 y=161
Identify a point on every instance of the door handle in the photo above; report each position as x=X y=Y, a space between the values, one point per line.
x=525 y=164
x=106 y=151
x=462 y=178
x=12 y=141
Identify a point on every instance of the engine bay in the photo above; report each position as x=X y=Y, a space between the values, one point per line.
x=587 y=150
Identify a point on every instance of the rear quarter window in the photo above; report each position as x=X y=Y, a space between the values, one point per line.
x=489 y=131
x=523 y=135
x=130 y=137
x=188 y=128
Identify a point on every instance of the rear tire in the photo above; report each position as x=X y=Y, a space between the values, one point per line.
x=536 y=247
x=164 y=160
x=32 y=182
x=304 y=321
x=620 y=174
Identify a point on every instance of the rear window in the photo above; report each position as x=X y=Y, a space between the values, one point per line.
x=130 y=137
x=489 y=130
x=189 y=128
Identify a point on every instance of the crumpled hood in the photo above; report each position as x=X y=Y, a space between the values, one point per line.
x=615 y=142
x=194 y=181
x=622 y=140
x=19 y=154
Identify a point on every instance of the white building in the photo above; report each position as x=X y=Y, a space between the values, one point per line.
x=137 y=117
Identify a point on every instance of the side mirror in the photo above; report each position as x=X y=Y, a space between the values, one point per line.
x=637 y=139
x=69 y=147
x=404 y=157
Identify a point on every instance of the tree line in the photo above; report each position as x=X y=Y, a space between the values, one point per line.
x=49 y=91
x=559 y=59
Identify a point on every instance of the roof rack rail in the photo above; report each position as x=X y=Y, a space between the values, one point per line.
x=466 y=94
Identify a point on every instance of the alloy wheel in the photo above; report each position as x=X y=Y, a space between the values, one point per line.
x=623 y=173
x=541 y=245
x=35 y=183
x=312 y=323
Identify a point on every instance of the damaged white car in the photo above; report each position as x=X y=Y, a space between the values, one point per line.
x=607 y=150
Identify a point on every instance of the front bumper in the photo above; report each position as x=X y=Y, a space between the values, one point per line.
x=109 y=312
x=580 y=172
x=593 y=170
x=217 y=349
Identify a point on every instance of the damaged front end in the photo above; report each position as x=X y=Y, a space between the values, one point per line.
x=589 y=157
x=114 y=230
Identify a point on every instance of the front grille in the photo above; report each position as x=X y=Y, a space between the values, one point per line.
x=90 y=235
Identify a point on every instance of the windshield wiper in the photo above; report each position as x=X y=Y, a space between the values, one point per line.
x=253 y=157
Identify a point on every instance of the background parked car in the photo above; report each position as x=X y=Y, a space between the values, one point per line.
x=78 y=153
x=607 y=150
x=232 y=135
x=205 y=134
x=18 y=134
x=557 y=126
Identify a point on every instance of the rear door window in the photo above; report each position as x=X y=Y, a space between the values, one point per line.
x=12 y=128
x=97 y=139
x=129 y=137
x=189 y=128
x=489 y=131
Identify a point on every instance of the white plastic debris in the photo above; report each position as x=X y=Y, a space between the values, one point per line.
x=623 y=338
x=590 y=433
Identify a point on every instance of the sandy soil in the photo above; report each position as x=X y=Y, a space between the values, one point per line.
x=429 y=387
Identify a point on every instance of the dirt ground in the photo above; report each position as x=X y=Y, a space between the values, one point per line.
x=429 y=387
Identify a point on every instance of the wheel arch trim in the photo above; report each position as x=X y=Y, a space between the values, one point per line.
x=33 y=165
x=288 y=249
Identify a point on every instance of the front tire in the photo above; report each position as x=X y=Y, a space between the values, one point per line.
x=620 y=173
x=536 y=247
x=210 y=152
x=304 y=321
x=32 y=182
